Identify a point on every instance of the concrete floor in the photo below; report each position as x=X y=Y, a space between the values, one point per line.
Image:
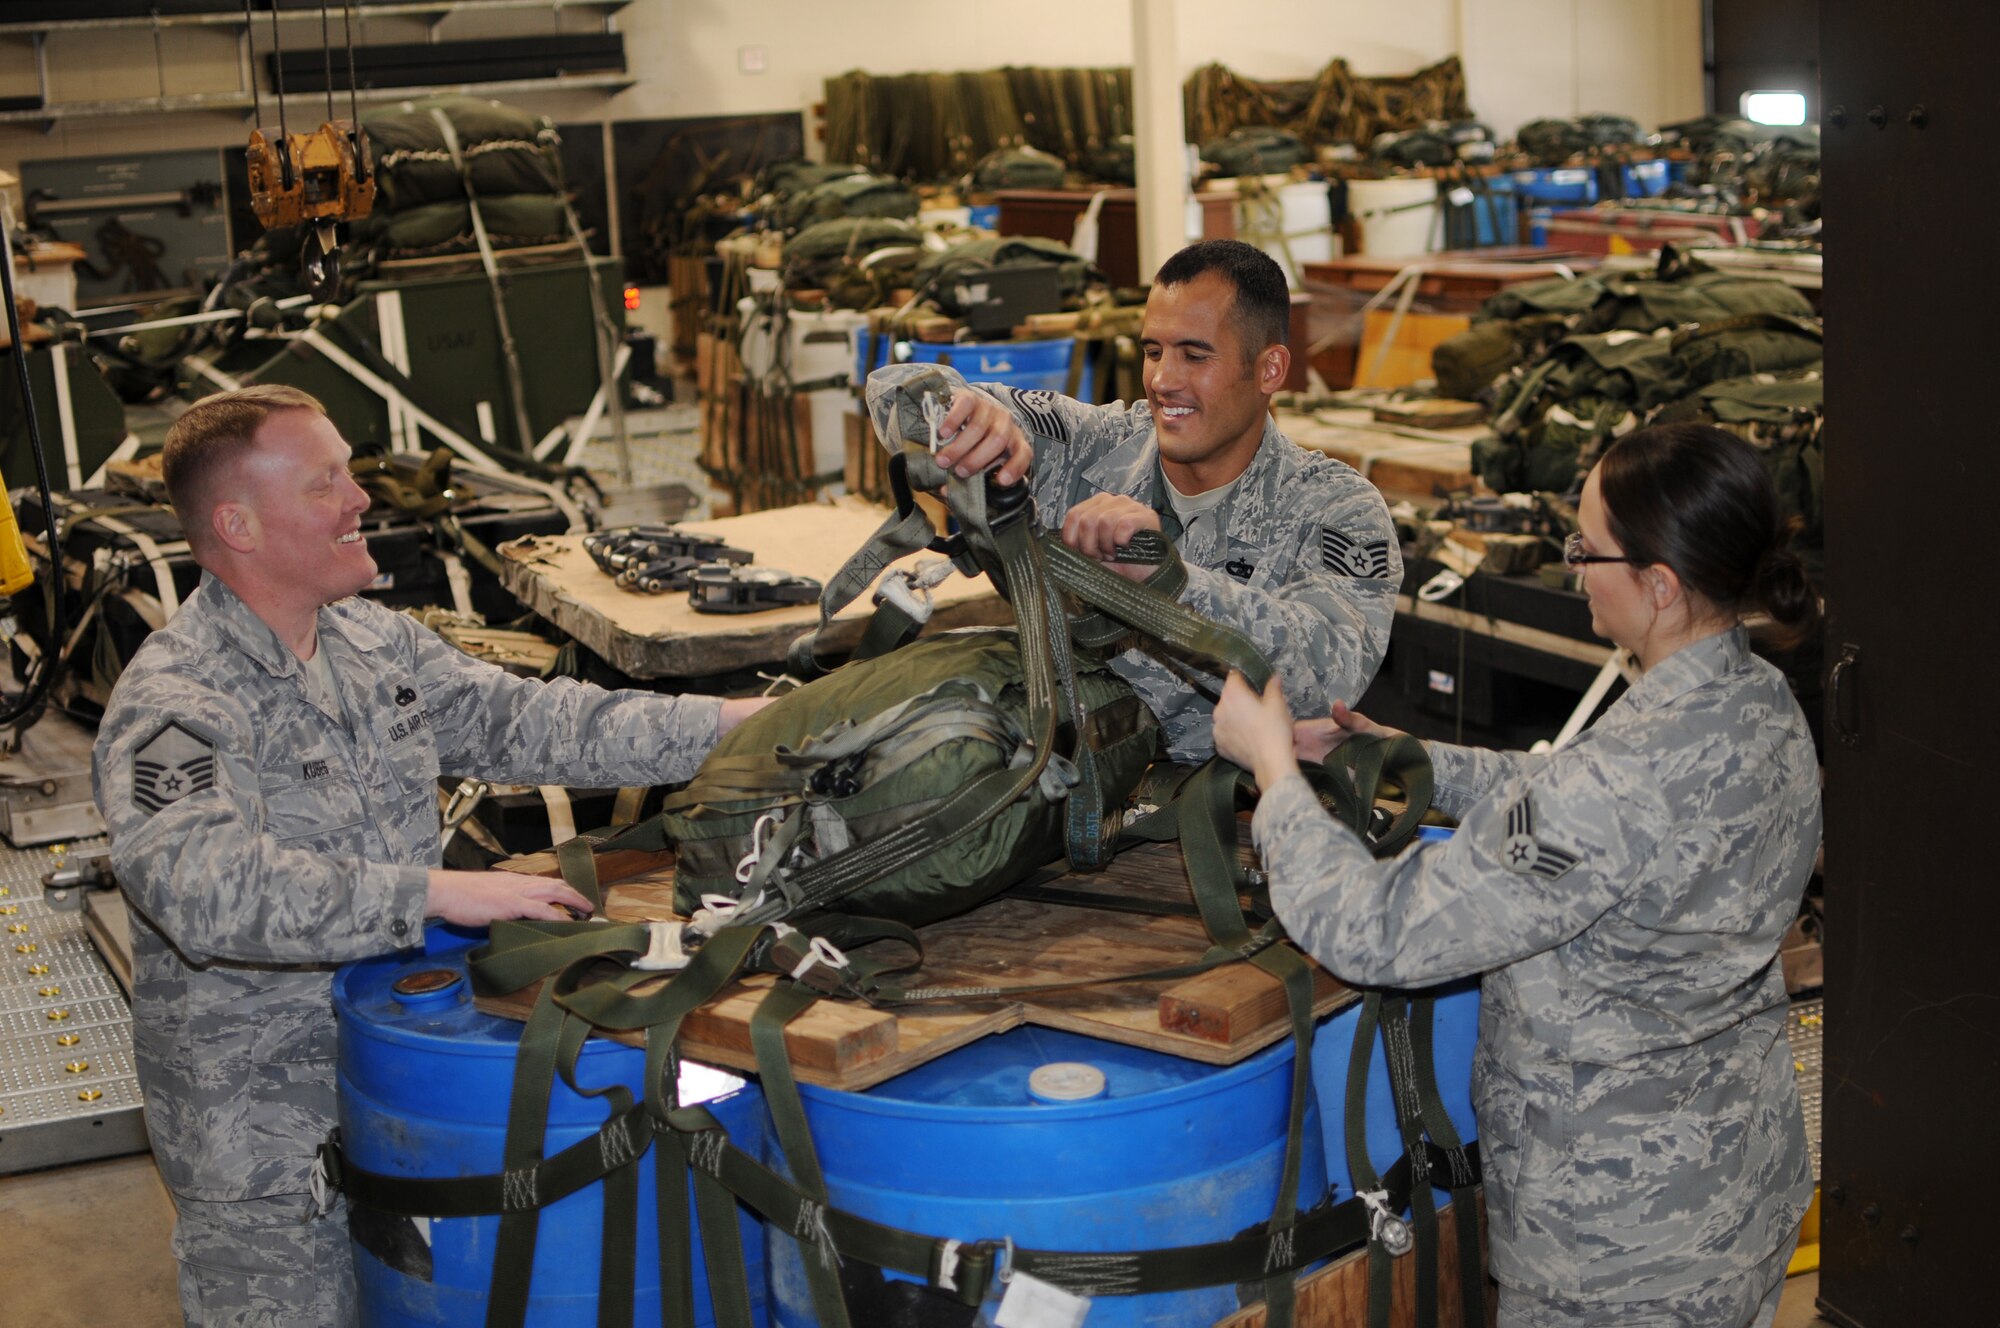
x=88 y=1244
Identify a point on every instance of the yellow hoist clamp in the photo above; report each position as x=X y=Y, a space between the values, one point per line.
x=317 y=180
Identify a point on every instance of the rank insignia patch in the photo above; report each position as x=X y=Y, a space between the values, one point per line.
x=1523 y=853
x=171 y=764
x=1349 y=557
x=1038 y=408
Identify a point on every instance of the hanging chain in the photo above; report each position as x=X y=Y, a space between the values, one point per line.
x=347 y=30
x=326 y=52
x=278 y=73
x=250 y=45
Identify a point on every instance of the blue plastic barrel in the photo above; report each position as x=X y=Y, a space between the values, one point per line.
x=1065 y=1143
x=1023 y=364
x=1454 y=1031
x=424 y=1084
x=1645 y=179
x=1557 y=184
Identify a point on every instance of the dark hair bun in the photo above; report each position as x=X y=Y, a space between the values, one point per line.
x=1786 y=594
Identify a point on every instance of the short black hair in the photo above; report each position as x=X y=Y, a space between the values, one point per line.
x=1263 y=299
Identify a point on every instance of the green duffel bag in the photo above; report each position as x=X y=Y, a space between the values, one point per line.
x=881 y=743
x=1748 y=344
x=1023 y=167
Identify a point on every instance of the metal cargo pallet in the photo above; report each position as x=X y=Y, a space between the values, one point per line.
x=1806 y=1027
x=68 y=1091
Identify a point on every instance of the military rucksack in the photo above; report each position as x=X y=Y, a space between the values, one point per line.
x=856 y=260
x=1022 y=167
x=1552 y=422
x=1255 y=150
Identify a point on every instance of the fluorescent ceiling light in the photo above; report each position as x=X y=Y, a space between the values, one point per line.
x=1775 y=108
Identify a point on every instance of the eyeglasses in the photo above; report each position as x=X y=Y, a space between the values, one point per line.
x=1574 y=556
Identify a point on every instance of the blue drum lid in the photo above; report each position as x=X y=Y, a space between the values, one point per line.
x=994 y=1072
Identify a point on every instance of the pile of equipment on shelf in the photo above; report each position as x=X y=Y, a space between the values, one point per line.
x=1570 y=364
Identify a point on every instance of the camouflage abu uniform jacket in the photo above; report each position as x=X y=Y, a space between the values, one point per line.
x=1625 y=898
x=263 y=840
x=1301 y=556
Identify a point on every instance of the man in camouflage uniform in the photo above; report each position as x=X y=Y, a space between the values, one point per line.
x=268 y=768
x=1293 y=548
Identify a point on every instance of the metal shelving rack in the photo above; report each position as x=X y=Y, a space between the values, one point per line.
x=243 y=98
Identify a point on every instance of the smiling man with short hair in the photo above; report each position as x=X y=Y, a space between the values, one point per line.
x=268 y=767
x=1291 y=547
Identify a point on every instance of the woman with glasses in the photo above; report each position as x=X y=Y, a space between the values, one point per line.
x=1624 y=897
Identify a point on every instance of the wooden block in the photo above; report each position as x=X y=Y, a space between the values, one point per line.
x=1226 y=1004
x=1337 y=1296
x=832 y=1038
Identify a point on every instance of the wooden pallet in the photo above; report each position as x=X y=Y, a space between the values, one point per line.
x=1218 y=1017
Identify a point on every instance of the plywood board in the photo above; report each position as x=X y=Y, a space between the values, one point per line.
x=1407 y=359
x=1400 y=461
x=1007 y=943
x=660 y=636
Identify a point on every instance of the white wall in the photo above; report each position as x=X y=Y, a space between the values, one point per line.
x=1523 y=58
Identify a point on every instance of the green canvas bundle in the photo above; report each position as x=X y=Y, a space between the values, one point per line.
x=506 y=151
x=934 y=276
x=881 y=742
x=1020 y=167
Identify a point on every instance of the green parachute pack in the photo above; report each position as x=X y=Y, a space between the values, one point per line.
x=1022 y=167
x=935 y=274
x=861 y=195
x=1572 y=363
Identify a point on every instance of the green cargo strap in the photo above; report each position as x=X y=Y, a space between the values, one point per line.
x=1461 y=1170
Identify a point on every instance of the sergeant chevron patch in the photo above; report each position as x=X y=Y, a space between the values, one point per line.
x=173 y=763
x=1523 y=853
x=1340 y=553
x=1038 y=406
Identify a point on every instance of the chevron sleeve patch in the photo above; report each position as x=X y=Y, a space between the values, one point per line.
x=1342 y=554
x=1526 y=855
x=172 y=764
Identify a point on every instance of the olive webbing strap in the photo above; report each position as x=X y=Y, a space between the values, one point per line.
x=817 y=1251
x=1463 y=1170
x=1401 y=1062
x=1207 y=811
x=577 y=860
x=1157 y=616
x=527 y=1127
x=1360 y=1168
